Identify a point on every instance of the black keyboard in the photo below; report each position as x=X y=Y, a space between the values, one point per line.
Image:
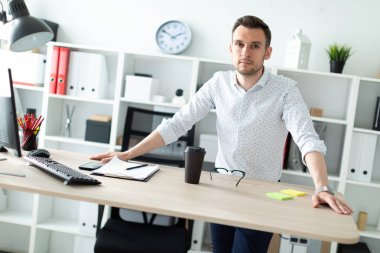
x=69 y=175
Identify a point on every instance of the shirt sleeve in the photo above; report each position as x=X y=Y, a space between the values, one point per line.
x=182 y=121
x=299 y=124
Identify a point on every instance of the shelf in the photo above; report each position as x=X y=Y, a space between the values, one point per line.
x=368 y=131
x=16 y=217
x=370 y=232
x=60 y=225
x=83 y=99
x=368 y=79
x=311 y=72
x=374 y=184
x=164 y=104
x=305 y=174
x=330 y=120
x=28 y=87
x=76 y=141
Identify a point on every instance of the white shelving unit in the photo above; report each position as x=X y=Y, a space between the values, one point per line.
x=46 y=224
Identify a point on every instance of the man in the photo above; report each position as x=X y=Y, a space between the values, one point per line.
x=255 y=110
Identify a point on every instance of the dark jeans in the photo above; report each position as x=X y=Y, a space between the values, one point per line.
x=227 y=239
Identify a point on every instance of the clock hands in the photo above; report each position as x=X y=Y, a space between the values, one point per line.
x=164 y=31
x=173 y=36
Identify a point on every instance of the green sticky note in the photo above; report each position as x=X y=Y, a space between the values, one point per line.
x=278 y=196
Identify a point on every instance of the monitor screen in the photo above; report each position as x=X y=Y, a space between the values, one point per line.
x=9 y=137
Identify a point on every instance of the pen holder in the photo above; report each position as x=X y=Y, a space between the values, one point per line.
x=29 y=139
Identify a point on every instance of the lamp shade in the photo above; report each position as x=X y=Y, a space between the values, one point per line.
x=28 y=32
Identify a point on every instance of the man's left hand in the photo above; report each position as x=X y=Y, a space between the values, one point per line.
x=324 y=198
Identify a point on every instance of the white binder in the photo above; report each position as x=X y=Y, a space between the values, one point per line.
x=88 y=218
x=198 y=235
x=367 y=157
x=354 y=162
x=83 y=244
x=362 y=155
x=73 y=73
x=88 y=75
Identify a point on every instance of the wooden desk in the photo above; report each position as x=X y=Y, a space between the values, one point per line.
x=217 y=201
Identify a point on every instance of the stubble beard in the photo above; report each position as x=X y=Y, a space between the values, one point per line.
x=249 y=72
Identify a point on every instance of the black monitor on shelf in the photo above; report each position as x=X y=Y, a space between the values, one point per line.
x=9 y=137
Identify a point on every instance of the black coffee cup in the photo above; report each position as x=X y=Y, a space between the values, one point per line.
x=193 y=164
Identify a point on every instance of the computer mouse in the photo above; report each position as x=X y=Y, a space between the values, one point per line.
x=40 y=153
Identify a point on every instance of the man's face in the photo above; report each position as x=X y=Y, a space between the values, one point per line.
x=248 y=50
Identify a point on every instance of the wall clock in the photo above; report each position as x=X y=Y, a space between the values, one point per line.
x=173 y=37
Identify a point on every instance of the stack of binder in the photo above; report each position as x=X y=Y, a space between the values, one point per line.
x=79 y=74
x=87 y=75
x=362 y=155
x=59 y=70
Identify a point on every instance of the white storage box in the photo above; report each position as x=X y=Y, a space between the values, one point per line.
x=27 y=68
x=140 y=88
x=210 y=144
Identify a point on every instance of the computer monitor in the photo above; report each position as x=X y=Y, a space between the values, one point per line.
x=9 y=137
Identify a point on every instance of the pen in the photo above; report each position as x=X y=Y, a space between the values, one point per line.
x=12 y=174
x=137 y=166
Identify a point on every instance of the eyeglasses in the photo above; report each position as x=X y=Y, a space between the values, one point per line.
x=236 y=173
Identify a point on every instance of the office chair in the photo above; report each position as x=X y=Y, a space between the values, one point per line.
x=121 y=235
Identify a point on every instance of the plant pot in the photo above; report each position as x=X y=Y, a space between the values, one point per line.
x=336 y=66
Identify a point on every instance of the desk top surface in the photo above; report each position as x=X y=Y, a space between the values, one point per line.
x=217 y=201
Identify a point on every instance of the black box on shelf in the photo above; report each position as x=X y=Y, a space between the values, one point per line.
x=98 y=131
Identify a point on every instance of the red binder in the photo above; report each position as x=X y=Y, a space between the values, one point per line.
x=63 y=66
x=54 y=70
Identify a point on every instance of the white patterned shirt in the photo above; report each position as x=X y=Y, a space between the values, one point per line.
x=251 y=125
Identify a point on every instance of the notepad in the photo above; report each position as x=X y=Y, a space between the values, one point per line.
x=119 y=168
x=278 y=196
x=294 y=193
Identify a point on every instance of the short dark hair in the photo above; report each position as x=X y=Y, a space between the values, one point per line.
x=254 y=22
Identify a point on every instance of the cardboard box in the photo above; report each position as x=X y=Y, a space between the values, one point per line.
x=140 y=88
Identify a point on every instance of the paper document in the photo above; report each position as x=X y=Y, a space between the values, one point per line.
x=127 y=170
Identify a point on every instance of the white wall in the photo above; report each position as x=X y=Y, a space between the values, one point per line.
x=131 y=25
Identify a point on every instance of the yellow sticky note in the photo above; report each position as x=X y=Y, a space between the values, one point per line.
x=278 y=195
x=294 y=193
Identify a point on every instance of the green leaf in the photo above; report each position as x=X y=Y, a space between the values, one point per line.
x=338 y=52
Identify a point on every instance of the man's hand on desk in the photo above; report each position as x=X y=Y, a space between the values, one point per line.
x=107 y=156
x=324 y=198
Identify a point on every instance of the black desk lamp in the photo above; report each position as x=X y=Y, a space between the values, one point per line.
x=26 y=32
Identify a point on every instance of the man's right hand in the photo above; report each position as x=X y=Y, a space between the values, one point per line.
x=107 y=156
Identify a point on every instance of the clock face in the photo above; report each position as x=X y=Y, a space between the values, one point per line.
x=173 y=37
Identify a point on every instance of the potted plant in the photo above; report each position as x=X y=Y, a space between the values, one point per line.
x=338 y=55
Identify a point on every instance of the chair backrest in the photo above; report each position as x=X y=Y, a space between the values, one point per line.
x=139 y=123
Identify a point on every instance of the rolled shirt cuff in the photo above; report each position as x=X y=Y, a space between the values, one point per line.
x=313 y=146
x=166 y=132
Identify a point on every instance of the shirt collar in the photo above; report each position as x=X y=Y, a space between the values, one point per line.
x=261 y=82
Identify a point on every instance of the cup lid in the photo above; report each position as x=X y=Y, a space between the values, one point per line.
x=195 y=149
